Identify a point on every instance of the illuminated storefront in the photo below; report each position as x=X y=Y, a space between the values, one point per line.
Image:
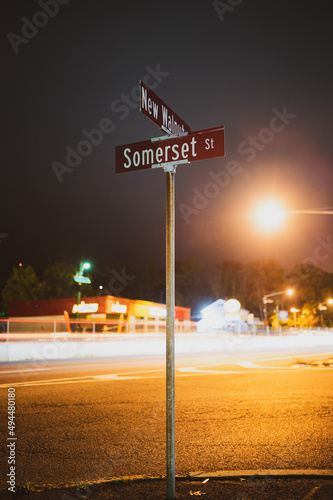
x=108 y=313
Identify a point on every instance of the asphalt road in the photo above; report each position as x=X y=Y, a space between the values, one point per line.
x=87 y=420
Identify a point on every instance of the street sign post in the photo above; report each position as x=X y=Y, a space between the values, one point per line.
x=161 y=152
x=152 y=106
x=82 y=279
x=182 y=146
x=170 y=333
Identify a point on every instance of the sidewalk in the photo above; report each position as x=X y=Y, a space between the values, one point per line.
x=273 y=485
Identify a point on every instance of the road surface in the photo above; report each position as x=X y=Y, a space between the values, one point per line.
x=100 y=418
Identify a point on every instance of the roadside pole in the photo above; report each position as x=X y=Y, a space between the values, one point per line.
x=78 y=305
x=179 y=146
x=170 y=330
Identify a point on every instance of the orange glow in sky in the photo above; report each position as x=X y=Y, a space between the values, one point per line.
x=269 y=216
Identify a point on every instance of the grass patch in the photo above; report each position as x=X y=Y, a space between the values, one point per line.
x=83 y=487
x=26 y=489
x=313 y=362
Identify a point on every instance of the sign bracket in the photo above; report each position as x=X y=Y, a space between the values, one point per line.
x=166 y=166
x=169 y=167
x=163 y=137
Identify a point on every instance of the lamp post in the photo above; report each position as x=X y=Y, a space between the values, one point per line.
x=79 y=278
x=322 y=308
x=294 y=311
x=267 y=299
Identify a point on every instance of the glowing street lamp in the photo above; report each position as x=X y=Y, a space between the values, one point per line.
x=267 y=299
x=232 y=306
x=270 y=215
x=322 y=307
x=294 y=311
x=79 y=278
x=84 y=267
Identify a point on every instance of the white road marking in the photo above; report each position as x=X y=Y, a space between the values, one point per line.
x=80 y=380
x=249 y=364
x=31 y=370
x=327 y=354
x=314 y=354
x=193 y=370
x=184 y=372
x=113 y=376
x=252 y=367
x=53 y=381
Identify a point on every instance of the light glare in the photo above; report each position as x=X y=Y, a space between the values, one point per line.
x=232 y=306
x=270 y=216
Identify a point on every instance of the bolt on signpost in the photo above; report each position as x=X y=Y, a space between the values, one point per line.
x=179 y=146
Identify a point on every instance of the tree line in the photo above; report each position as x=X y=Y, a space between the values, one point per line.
x=196 y=286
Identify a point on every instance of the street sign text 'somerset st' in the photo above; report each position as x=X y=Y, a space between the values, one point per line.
x=179 y=146
x=201 y=145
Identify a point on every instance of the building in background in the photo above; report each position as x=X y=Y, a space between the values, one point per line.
x=225 y=315
x=108 y=313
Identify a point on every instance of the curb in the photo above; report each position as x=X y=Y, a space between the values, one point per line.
x=201 y=475
x=310 y=473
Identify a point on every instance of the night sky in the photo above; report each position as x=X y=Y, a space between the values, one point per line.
x=238 y=66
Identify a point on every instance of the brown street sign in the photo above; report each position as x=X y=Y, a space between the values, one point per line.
x=160 y=113
x=201 y=145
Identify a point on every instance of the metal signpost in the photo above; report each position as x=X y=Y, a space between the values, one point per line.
x=180 y=146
